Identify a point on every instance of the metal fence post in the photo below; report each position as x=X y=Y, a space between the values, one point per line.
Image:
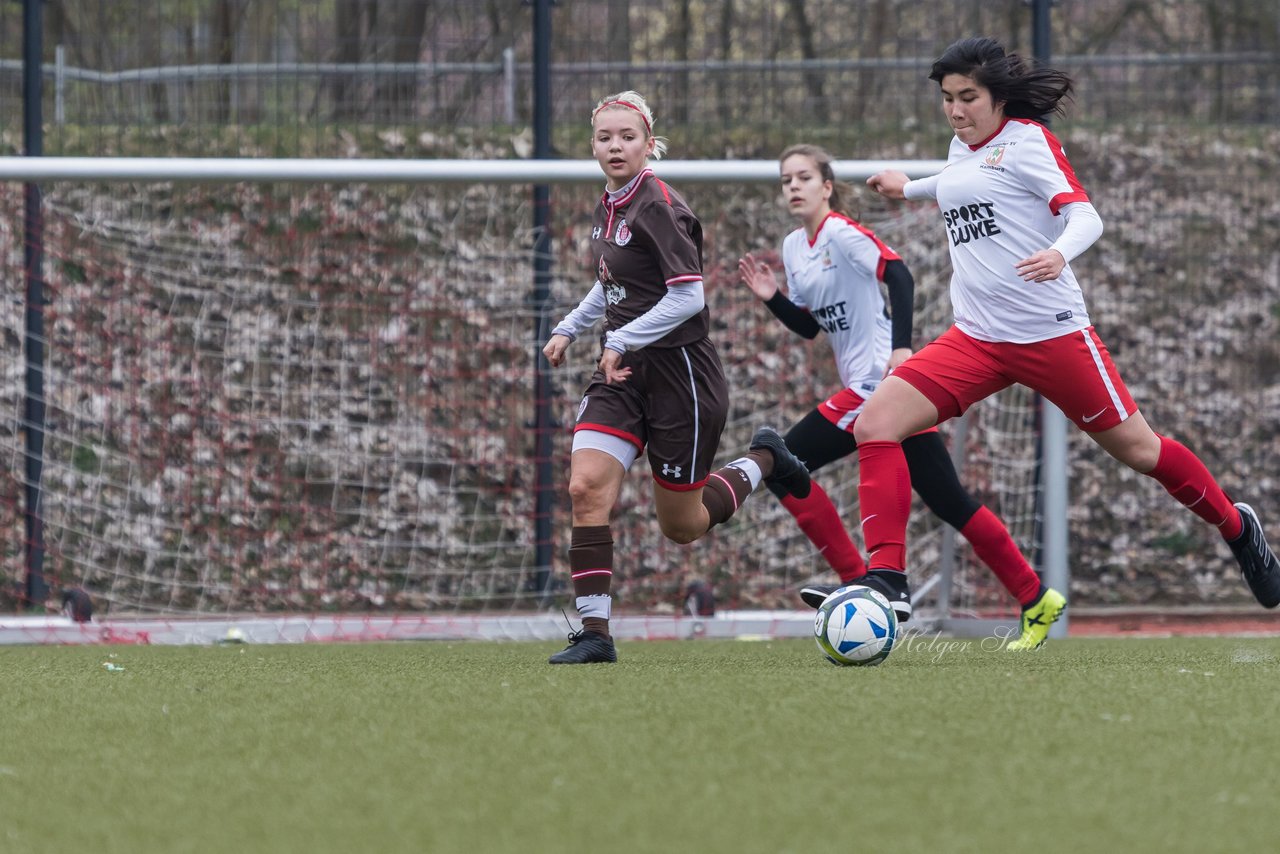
x=544 y=500
x=1053 y=424
x=33 y=405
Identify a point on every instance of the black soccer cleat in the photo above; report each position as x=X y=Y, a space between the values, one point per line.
x=1258 y=563
x=788 y=472
x=586 y=648
x=891 y=584
x=814 y=595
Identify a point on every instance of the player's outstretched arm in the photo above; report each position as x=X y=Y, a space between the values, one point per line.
x=582 y=318
x=889 y=183
x=555 y=349
x=758 y=276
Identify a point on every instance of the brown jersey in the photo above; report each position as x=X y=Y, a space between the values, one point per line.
x=645 y=242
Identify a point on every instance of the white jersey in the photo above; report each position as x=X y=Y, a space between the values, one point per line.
x=999 y=202
x=836 y=278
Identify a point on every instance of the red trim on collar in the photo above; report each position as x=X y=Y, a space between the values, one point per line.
x=814 y=240
x=993 y=136
x=646 y=172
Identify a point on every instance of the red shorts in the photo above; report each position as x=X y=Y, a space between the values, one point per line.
x=842 y=409
x=1074 y=371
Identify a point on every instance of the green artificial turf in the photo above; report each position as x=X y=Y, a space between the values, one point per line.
x=1087 y=745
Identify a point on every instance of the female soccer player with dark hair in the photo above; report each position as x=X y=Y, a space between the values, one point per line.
x=834 y=267
x=1015 y=216
x=659 y=383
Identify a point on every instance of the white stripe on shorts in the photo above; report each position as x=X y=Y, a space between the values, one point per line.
x=697 y=420
x=1102 y=372
x=846 y=420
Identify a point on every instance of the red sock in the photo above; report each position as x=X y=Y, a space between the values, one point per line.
x=884 y=491
x=1187 y=480
x=995 y=547
x=820 y=521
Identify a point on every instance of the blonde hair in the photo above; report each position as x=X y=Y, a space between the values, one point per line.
x=843 y=198
x=634 y=101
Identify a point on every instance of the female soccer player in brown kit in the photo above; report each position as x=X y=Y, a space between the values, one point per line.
x=834 y=267
x=659 y=383
x=1015 y=217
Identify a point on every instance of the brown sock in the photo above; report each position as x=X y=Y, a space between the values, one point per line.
x=762 y=458
x=725 y=491
x=591 y=565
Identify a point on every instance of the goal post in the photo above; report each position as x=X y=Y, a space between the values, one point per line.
x=301 y=390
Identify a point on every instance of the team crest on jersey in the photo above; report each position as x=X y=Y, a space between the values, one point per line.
x=827 y=263
x=994 y=155
x=623 y=235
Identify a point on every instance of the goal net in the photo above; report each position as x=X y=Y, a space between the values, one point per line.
x=274 y=400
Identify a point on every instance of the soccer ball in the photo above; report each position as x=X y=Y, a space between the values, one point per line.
x=855 y=625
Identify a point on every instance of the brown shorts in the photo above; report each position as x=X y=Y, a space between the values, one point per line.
x=675 y=402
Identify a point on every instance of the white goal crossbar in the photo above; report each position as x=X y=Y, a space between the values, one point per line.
x=219 y=169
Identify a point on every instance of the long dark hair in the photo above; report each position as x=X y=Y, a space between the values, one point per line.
x=1028 y=89
x=842 y=199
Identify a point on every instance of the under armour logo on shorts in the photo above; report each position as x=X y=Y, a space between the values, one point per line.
x=670 y=470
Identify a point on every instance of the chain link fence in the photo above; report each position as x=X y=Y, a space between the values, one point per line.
x=727 y=77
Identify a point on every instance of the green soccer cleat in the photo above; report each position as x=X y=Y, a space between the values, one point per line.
x=1037 y=618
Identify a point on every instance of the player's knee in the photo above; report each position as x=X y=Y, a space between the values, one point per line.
x=586 y=493
x=876 y=424
x=1140 y=458
x=1137 y=453
x=681 y=531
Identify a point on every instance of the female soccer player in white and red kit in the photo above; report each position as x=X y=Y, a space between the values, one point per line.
x=658 y=385
x=834 y=267
x=1015 y=216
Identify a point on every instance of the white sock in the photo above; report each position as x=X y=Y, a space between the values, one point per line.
x=748 y=466
x=599 y=605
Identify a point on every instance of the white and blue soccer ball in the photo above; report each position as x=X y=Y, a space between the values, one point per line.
x=855 y=626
